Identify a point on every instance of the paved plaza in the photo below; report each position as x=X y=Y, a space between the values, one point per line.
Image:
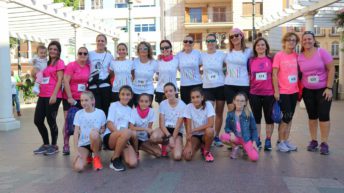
x=275 y=172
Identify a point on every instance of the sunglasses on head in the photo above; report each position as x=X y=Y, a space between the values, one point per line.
x=188 y=41
x=308 y=32
x=211 y=41
x=82 y=53
x=234 y=36
x=165 y=48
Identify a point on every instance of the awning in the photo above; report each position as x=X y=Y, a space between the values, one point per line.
x=43 y=20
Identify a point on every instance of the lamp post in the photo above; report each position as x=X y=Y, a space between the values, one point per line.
x=130 y=2
x=253 y=22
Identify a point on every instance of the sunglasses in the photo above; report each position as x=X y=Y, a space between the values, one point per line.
x=82 y=53
x=143 y=49
x=234 y=36
x=210 y=41
x=188 y=41
x=165 y=48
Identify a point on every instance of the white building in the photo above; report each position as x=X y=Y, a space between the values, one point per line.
x=115 y=13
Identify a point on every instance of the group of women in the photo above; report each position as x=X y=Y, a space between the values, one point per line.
x=116 y=93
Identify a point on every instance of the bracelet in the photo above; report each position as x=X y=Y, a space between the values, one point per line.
x=329 y=88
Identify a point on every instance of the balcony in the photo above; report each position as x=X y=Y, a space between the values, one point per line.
x=209 y=21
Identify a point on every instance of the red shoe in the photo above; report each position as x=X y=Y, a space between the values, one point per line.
x=89 y=159
x=97 y=163
x=164 y=151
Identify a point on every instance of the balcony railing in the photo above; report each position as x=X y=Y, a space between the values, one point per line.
x=223 y=17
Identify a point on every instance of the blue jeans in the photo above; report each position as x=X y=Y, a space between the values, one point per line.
x=15 y=101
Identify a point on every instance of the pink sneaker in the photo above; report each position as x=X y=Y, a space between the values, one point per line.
x=209 y=157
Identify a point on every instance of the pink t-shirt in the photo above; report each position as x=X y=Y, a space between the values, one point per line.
x=49 y=80
x=287 y=73
x=314 y=72
x=261 y=76
x=79 y=78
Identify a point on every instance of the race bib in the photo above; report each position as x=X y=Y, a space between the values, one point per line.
x=212 y=76
x=45 y=80
x=81 y=87
x=141 y=82
x=170 y=124
x=313 y=79
x=292 y=79
x=261 y=76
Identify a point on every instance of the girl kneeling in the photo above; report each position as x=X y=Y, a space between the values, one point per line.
x=141 y=123
x=241 y=123
x=117 y=134
x=199 y=116
x=89 y=124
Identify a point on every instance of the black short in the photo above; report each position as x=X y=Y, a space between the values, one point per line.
x=106 y=139
x=67 y=106
x=88 y=147
x=171 y=130
x=136 y=99
x=115 y=97
x=199 y=137
x=316 y=105
x=288 y=104
x=215 y=94
x=185 y=92
x=231 y=91
x=159 y=97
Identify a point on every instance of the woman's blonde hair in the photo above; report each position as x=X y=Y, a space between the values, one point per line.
x=287 y=36
x=246 y=108
x=243 y=44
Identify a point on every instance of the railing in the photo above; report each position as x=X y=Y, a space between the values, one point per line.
x=210 y=18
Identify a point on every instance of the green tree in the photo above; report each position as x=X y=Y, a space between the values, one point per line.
x=69 y=3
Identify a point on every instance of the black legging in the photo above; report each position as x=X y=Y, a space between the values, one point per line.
x=259 y=103
x=316 y=105
x=288 y=104
x=44 y=110
x=103 y=98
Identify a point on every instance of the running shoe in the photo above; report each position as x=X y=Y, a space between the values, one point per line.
x=282 y=147
x=117 y=165
x=235 y=152
x=209 y=157
x=97 y=163
x=52 y=149
x=217 y=142
x=259 y=144
x=291 y=146
x=313 y=146
x=41 y=150
x=324 y=149
x=267 y=145
x=66 y=150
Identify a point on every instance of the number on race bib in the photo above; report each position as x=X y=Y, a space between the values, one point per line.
x=292 y=79
x=261 y=76
x=81 y=87
x=45 y=80
x=313 y=79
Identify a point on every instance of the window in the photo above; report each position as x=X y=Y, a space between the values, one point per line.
x=247 y=9
x=334 y=31
x=297 y=29
x=195 y=15
x=97 y=4
x=145 y=3
x=219 y=14
x=317 y=31
x=81 y=5
x=197 y=40
x=335 y=49
x=145 y=25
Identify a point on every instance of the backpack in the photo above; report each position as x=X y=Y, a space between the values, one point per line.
x=276 y=114
x=69 y=126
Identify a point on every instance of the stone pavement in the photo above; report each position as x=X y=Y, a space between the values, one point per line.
x=297 y=172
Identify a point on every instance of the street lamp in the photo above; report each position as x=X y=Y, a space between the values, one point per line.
x=130 y=2
x=253 y=23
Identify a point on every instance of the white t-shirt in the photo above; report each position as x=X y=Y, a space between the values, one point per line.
x=143 y=82
x=189 y=68
x=100 y=62
x=136 y=120
x=199 y=116
x=236 y=63
x=88 y=121
x=13 y=85
x=213 y=75
x=172 y=113
x=39 y=63
x=122 y=71
x=167 y=73
x=119 y=116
